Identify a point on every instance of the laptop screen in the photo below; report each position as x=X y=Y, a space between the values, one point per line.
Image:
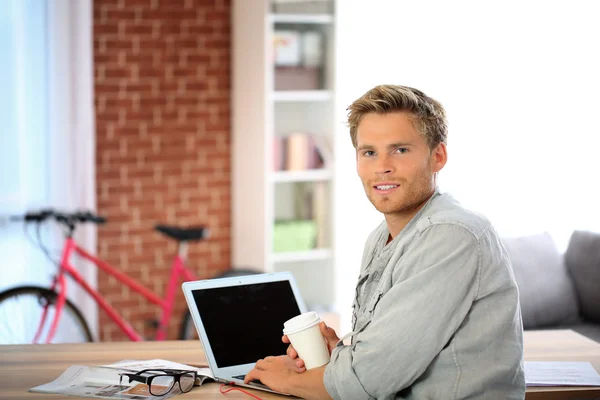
x=245 y=323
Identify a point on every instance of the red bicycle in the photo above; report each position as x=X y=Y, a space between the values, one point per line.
x=32 y=314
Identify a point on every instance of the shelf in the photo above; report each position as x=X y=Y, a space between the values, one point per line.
x=301 y=18
x=309 y=175
x=301 y=95
x=272 y=195
x=308 y=255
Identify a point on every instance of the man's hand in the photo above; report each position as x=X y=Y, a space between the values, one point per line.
x=279 y=373
x=275 y=372
x=330 y=337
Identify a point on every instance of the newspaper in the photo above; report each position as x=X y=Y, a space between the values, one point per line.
x=138 y=365
x=103 y=382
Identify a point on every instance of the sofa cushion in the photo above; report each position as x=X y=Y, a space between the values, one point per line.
x=583 y=262
x=546 y=291
x=592 y=331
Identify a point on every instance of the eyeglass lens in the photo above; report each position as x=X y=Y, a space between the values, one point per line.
x=161 y=384
x=186 y=381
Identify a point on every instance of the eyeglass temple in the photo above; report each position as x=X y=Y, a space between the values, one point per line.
x=164 y=370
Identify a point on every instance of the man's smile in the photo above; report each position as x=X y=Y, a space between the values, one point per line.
x=385 y=187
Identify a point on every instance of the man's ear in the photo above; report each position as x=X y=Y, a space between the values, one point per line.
x=439 y=157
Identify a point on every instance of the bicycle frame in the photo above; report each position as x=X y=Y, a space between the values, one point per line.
x=177 y=269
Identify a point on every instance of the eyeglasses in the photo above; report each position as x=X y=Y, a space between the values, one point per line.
x=162 y=381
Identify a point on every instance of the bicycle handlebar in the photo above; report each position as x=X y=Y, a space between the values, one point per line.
x=65 y=218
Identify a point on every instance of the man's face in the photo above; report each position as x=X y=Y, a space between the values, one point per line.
x=395 y=163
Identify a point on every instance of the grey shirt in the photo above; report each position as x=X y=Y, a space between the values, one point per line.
x=436 y=314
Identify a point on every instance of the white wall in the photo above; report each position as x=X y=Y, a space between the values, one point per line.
x=520 y=81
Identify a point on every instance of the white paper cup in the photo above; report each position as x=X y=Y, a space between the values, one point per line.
x=305 y=335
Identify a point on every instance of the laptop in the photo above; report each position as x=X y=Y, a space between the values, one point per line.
x=240 y=320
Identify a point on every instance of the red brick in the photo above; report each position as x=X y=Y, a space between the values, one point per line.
x=145 y=29
x=162 y=94
x=116 y=14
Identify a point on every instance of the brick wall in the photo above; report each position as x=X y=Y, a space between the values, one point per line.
x=163 y=135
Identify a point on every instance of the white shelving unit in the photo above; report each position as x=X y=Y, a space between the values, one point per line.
x=301 y=18
x=310 y=175
x=302 y=95
x=260 y=195
x=310 y=255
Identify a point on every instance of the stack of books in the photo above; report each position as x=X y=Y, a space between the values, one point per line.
x=299 y=151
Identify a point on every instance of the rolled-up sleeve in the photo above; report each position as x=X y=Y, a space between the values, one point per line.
x=341 y=381
x=437 y=281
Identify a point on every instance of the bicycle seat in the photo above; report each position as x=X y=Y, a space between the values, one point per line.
x=183 y=234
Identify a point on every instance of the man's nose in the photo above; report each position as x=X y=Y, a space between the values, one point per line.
x=384 y=166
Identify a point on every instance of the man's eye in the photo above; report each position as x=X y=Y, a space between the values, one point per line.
x=401 y=150
x=368 y=153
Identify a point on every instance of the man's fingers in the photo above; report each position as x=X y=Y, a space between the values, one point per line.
x=262 y=364
x=291 y=352
x=330 y=336
x=252 y=375
x=285 y=339
x=299 y=365
x=328 y=332
x=259 y=364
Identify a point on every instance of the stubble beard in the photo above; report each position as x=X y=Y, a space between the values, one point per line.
x=406 y=198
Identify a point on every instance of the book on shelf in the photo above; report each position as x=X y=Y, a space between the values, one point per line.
x=298 y=152
x=325 y=149
x=279 y=153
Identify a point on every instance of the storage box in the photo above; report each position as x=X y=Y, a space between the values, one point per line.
x=294 y=236
x=287 y=50
x=298 y=78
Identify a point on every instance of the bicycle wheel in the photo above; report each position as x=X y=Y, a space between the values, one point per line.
x=20 y=314
x=187 y=330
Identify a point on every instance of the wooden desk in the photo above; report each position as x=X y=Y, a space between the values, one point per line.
x=26 y=366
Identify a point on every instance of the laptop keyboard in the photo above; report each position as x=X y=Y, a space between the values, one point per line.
x=252 y=382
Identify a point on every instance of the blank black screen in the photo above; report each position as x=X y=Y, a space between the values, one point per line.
x=245 y=323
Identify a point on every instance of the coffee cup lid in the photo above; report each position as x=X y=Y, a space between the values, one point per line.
x=301 y=322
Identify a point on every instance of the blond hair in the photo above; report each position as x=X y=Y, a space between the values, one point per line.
x=429 y=115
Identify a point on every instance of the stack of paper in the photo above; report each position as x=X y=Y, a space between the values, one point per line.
x=551 y=373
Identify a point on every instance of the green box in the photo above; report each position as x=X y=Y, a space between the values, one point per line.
x=294 y=236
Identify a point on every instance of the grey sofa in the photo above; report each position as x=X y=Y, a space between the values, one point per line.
x=558 y=291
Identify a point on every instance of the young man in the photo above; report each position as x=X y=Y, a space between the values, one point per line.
x=436 y=313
